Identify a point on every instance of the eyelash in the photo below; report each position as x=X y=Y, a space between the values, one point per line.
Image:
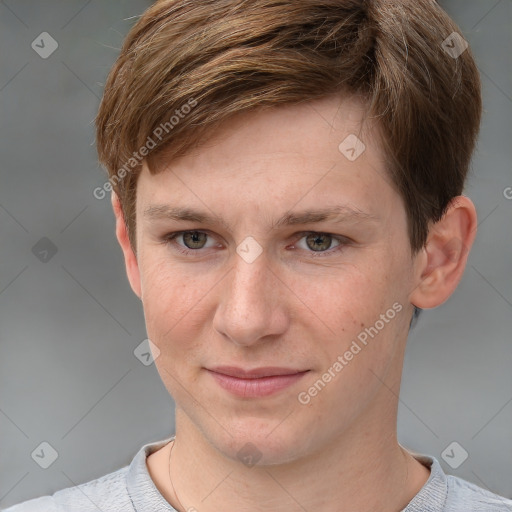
x=169 y=239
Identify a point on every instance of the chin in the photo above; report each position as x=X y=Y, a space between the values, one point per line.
x=256 y=442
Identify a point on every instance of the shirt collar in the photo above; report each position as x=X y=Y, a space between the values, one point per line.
x=145 y=496
x=139 y=485
x=432 y=496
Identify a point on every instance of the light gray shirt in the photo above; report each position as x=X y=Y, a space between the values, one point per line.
x=130 y=489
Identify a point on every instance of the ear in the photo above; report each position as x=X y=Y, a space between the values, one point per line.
x=130 y=260
x=441 y=263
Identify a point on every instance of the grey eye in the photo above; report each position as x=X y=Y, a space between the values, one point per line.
x=194 y=239
x=319 y=241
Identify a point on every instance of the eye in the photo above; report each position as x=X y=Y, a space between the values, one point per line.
x=319 y=244
x=192 y=241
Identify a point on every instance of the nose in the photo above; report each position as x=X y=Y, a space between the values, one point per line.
x=252 y=304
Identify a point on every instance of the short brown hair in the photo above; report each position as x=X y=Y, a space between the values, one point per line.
x=224 y=57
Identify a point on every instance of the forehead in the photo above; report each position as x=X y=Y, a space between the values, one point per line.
x=278 y=156
x=301 y=128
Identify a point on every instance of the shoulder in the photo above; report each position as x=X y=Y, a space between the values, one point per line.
x=115 y=492
x=42 y=504
x=468 y=497
x=448 y=493
x=105 y=493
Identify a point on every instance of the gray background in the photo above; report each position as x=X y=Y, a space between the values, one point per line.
x=69 y=325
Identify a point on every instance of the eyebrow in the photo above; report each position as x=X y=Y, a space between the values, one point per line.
x=337 y=214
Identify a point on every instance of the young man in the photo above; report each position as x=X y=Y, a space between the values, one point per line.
x=287 y=183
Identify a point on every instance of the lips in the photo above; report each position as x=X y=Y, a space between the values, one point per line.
x=257 y=382
x=268 y=371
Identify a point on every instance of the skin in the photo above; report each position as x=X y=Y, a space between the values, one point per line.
x=287 y=308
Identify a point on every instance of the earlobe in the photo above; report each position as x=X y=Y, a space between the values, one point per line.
x=130 y=259
x=442 y=261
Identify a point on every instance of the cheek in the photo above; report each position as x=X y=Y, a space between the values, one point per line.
x=170 y=297
x=347 y=298
x=361 y=309
x=174 y=308
x=356 y=353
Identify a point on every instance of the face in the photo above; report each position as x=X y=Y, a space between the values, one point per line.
x=256 y=276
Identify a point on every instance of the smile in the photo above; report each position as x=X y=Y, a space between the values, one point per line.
x=255 y=383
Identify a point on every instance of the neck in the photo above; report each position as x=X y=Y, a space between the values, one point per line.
x=364 y=468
